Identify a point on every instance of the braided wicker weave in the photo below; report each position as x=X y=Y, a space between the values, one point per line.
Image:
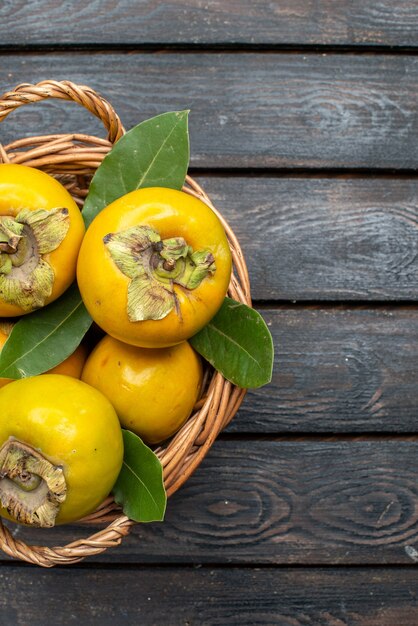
x=73 y=158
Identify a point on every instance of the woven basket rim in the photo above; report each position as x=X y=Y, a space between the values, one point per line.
x=73 y=157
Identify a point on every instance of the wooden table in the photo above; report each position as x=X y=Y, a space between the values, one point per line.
x=304 y=131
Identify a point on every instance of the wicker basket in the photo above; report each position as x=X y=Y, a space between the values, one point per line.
x=73 y=158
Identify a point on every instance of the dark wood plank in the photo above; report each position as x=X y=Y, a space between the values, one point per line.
x=324 y=238
x=209 y=596
x=122 y=22
x=338 y=370
x=248 y=110
x=281 y=502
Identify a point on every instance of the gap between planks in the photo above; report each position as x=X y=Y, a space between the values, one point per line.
x=212 y=48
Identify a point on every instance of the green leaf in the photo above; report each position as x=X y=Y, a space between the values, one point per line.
x=43 y=339
x=139 y=488
x=154 y=153
x=238 y=344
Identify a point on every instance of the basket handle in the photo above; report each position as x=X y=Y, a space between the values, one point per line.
x=27 y=93
x=74 y=552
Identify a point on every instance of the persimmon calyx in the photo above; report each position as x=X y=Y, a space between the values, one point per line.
x=32 y=489
x=26 y=278
x=154 y=266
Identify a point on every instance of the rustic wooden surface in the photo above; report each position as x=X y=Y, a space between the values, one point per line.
x=187 y=22
x=210 y=595
x=249 y=110
x=304 y=131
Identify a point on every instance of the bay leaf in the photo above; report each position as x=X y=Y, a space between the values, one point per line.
x=238 y=344
x=139 y=489
x=45 y=338
x=155 y=153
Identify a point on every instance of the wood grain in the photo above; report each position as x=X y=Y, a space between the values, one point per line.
x=339 y=238
x=122 y=22
x=248 y=110
x=210 y=596
x=339 y=370
x=283 y=502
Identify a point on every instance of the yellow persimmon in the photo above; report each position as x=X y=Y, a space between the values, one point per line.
x=61 y=449
x=152 y=390
x=41 y=229
x=154 y=267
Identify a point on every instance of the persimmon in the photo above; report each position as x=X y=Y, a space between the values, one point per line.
x=154 y=267
x=153 y=390
x=41 y=229
x=61 y=449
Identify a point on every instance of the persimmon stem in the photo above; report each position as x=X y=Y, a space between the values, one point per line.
x=32 y=489
x=169 y=265
x=26 y=278
x=154 y=266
